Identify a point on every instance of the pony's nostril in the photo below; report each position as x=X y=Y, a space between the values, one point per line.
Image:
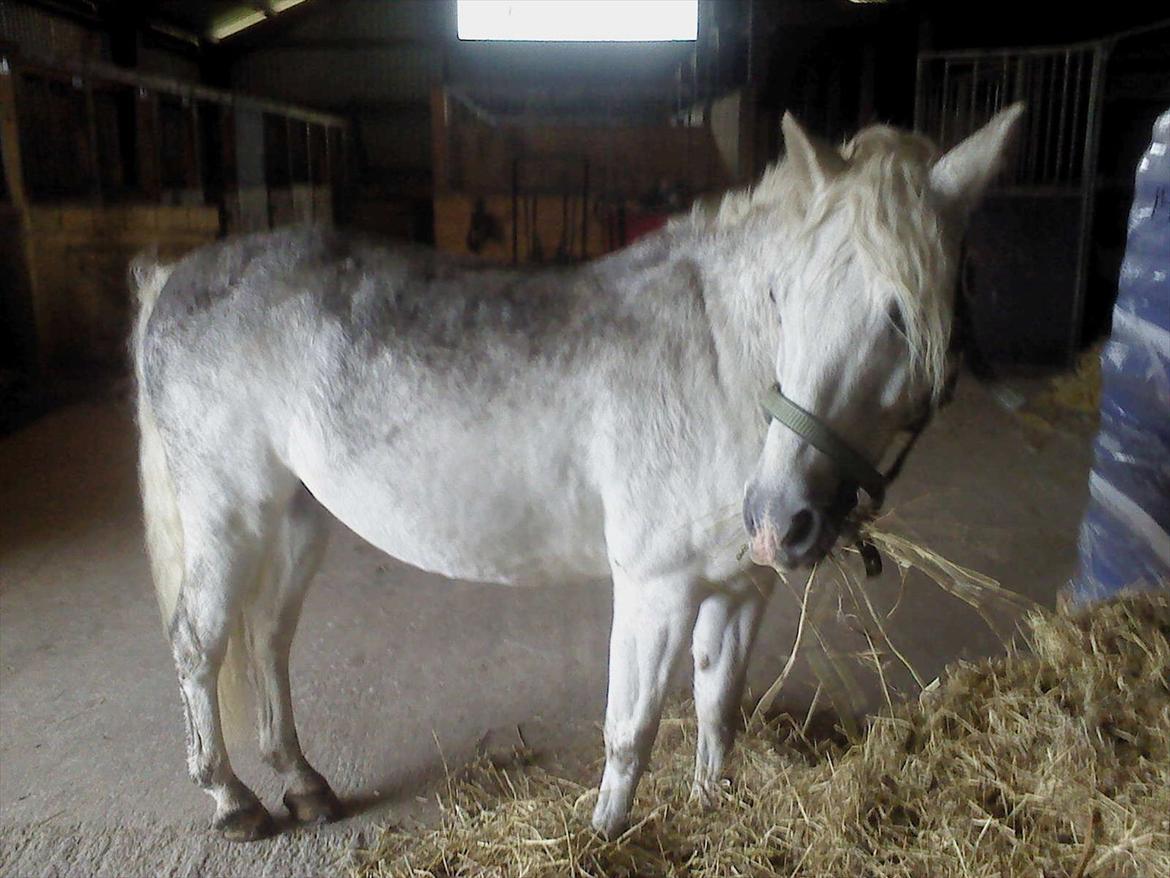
x=749 y=519
x=800 y=529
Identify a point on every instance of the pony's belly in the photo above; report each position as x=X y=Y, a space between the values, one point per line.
x=502 y=529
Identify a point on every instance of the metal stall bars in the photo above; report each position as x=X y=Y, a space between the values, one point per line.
x=1028 y=247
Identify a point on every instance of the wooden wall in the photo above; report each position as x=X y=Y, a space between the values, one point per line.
x=76 y=261
x=526 y=190
x=555 y=157
x=100 y=164
x=549 y=224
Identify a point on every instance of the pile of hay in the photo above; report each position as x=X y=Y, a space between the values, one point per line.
x=1051 y=760
x=1070 y=399
x=1080 y=390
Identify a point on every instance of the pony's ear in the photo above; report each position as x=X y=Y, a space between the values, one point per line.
x=962 y=175
x=818 y=161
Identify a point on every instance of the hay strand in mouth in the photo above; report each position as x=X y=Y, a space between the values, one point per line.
x=977 y=590
x=981 y=592
x=765 y=702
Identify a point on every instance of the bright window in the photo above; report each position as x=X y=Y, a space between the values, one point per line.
x=578 y=20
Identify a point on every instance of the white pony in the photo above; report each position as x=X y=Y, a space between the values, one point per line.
x=510 y=426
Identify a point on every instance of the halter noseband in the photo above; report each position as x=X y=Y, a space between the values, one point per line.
x=814 y=431
x=856 y=468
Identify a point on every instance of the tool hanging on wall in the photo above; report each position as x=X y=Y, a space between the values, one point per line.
x=546 y=181
x=483 y=227
x=564 y=252
x=535 y=247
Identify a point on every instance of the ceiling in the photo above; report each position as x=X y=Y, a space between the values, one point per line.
x=991 y=22
x=217 y=20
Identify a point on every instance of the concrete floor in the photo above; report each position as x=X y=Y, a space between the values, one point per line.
x=395 y=671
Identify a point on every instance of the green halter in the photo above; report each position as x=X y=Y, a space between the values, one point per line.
x=813 y=431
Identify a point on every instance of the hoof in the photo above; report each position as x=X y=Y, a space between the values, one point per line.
x=246 y=824
x=609 y=818
x=705 y=794
x=318 y=806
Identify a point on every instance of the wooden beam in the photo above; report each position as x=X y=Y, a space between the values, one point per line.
x=148 y=132
x=95 y=162
x=58 y=67
x=345 y=44
x=84 y=11
x=439 y=146
x=10 y=137
x=264 y=31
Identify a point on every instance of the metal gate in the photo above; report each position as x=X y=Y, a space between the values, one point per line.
x=1028 y=246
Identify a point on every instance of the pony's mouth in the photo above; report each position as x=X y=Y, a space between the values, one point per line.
x=826 y=539
x=766 y=550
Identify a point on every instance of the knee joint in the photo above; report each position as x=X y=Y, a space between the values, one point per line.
x=625 y=748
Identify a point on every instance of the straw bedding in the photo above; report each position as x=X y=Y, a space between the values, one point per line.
x=1068 y=400
x=1051 y=760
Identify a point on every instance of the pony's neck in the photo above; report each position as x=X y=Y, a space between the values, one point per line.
x=747 y=280
x=747 y=255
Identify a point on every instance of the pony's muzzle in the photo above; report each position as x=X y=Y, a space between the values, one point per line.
x=778 y=536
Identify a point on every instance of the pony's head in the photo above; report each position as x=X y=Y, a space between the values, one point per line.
x=865 y=310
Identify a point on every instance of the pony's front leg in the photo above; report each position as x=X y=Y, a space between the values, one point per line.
x=652 y=620
x=724 y=633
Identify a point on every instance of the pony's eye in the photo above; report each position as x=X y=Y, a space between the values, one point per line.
x=767 y=414
x=895 y=314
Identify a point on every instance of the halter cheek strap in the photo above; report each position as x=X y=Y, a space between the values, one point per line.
x=819 y=436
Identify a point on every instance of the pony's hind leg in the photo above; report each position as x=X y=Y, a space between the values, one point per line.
x=218 y=571
x=293 y=556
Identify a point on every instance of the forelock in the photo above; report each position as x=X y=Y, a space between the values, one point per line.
x=883 y=197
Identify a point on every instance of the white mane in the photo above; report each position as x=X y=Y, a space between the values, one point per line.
x=883 y=192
